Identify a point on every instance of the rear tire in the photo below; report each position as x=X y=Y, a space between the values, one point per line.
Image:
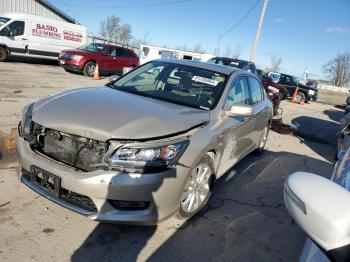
x=3 y=54
x=262 y=142
x=300 y=97
x=197 y=188
x=89 y=69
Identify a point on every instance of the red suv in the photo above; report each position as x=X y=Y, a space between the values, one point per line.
x=110 y=59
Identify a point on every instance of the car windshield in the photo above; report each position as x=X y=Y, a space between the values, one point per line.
x=94 y=47
x=3 y=20
x=179 y=84
x=275 y=77
x=230 y=62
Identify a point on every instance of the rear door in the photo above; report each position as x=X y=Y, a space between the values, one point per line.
x=15 y=36
x=123 y=58
x=260 y=107
x=237 y=140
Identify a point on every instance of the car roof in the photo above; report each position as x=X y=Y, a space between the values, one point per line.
x=232 y=59
x=227 y=70
x=109 y=45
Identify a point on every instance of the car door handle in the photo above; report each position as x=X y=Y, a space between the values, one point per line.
x=24 y=38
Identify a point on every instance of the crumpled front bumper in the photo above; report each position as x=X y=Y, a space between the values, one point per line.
x=161 y=189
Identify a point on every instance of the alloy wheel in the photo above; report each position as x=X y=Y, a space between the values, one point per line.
x=263 y=138
x=197 y=188
x=91 y=70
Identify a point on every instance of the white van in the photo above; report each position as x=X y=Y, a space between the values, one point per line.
x=149 y=53
x=30 y=35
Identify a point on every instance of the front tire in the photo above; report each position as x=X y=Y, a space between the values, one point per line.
x=3 y=54
x=89 y=69
x=197 y=188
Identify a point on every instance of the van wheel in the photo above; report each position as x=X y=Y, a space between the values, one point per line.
x=197 y=189
x=3 y=54
x=89 y=69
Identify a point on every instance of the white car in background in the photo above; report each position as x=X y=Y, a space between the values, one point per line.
x=322 y=209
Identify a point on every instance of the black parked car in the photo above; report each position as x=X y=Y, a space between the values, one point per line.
x=241 y=64
x=287 y=85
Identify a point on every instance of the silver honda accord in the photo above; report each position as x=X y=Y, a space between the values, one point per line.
x=146 y=146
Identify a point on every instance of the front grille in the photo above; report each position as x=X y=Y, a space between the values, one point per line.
x=71 y=197
x=79 y=152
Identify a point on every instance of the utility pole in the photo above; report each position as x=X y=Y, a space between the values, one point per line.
x=257 y=35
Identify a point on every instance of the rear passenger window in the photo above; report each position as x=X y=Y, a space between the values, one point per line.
x=124 y=52
x=238 y=93
x=257 y=91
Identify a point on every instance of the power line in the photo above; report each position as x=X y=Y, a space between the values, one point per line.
x=238 y=23
x=124 y=6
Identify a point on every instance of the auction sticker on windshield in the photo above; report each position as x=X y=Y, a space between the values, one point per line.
x=205 y=80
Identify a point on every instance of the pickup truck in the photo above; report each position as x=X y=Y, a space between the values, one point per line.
x=287 y=85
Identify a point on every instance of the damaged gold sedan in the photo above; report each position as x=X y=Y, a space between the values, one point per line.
x=148 y=145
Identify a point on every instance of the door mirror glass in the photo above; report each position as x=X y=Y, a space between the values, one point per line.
x=320 y=207
x=240 y=110
x=341 y=155
x=113 y=78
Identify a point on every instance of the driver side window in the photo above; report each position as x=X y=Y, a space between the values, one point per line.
x=238 y=93
x=16 y=28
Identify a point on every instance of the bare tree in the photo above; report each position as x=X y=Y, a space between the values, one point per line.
x=198 y=48
x=125 y=33
x=110 y=28
x=338 y=69
x=233 y=53
x=183 y=48
x=237 y=51
x=276 y=62
x=114 y=30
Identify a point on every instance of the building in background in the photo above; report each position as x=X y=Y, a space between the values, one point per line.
x=35 y=7
x=150 y=52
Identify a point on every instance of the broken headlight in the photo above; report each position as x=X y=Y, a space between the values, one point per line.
x=26 y=123
x=146 y=156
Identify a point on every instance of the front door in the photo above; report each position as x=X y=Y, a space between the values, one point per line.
x=237 y=139
x=15 y=37
x=108 y=59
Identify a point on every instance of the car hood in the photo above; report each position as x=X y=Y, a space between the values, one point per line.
x=103 y=113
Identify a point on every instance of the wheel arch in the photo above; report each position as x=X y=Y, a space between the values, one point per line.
x=6 y=47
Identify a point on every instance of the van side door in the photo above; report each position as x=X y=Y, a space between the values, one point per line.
x=15 y=36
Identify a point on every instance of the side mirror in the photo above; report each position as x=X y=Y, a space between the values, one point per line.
x=240 y=110
x=111 y=80
x=320 y=207
x=341 y=154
